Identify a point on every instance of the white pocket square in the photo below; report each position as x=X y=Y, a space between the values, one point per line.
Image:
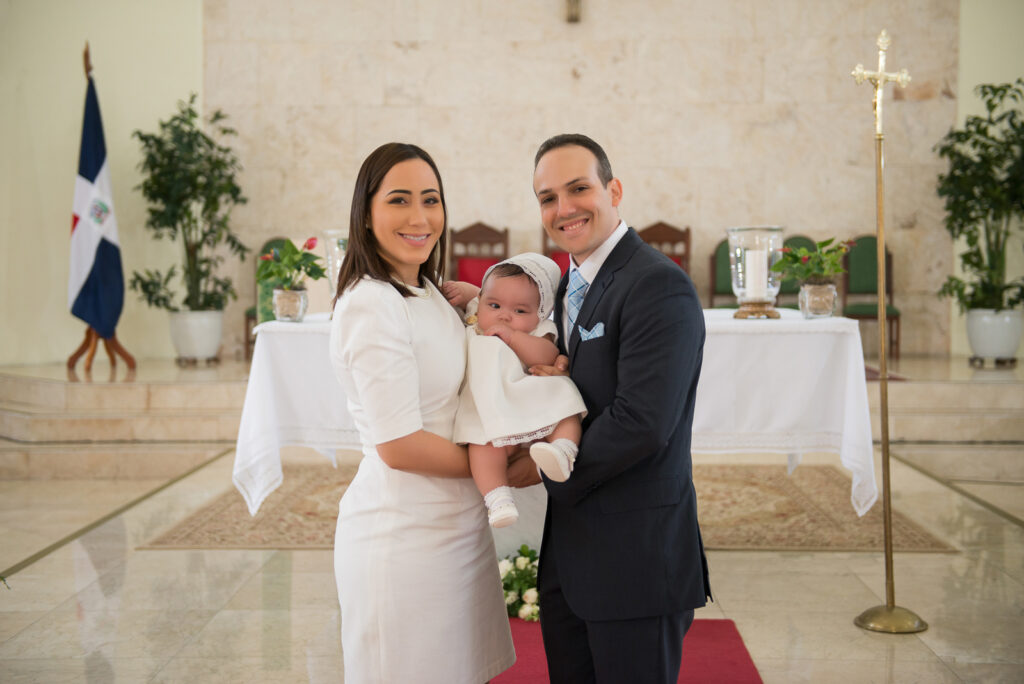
x=593 y=334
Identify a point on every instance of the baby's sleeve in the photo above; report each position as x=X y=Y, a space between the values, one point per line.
x=545 y=327
x=373 y=342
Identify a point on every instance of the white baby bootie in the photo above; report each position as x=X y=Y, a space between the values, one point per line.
x=555 y=459
x=501 y=507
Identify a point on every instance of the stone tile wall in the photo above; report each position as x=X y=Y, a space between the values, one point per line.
x=713 y=114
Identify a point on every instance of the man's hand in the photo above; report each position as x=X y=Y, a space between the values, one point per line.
x=459 y=293
x=522 y=471
x=560 y=367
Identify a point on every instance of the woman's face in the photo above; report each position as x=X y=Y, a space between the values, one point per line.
x=407 y=217
x=512 y=300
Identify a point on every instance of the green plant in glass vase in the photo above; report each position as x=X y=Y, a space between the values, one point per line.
x=813 y=267
x=289 y=266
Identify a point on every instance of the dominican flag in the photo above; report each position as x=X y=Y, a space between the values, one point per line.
x=95 y=281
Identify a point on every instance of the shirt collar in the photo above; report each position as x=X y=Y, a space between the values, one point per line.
x=596 y=260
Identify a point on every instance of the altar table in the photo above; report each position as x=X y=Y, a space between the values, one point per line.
x=789 y=386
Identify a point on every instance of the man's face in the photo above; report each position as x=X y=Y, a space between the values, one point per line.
x=578 y=212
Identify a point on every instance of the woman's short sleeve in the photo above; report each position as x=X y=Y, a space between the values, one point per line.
x=371 y=342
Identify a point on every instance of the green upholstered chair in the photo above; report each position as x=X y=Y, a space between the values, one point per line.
x=861 y=281
x=264 y=309
x=721 y=276
x=789 y=290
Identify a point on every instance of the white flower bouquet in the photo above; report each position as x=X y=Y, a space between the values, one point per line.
x=519 y=580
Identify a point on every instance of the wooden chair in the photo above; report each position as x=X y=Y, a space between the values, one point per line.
x=861 y=279
x=553 y=251
x=789 y=290
x=263 y=310
x=670 y=241
x=721 y=276
x=474 y=249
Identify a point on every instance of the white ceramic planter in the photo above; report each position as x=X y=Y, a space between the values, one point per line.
x=196 y=334
x=994 y=335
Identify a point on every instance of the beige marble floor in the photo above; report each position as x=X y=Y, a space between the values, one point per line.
x=36 y=513
x=97 y=610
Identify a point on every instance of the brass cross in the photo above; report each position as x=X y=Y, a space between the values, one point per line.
x=880 y=78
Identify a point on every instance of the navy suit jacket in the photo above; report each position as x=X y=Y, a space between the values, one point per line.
x=623 y=528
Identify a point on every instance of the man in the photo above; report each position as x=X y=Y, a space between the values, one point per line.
x=621 y=564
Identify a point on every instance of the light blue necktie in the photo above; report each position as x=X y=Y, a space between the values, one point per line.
x=577 y=291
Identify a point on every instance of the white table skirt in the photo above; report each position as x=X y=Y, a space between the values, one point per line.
x=789 y=386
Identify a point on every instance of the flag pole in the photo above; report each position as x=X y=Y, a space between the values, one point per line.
x=92 y=337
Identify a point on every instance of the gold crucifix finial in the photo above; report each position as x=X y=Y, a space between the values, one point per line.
x=880 y=78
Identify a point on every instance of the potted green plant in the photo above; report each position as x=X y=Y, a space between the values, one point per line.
x=190 y=183
x=984 y=201
x=288 y=267
x=816 y=271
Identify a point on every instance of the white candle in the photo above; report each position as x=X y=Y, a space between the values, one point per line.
x=755 y=261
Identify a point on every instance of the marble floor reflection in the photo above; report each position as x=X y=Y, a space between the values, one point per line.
x=98 y=610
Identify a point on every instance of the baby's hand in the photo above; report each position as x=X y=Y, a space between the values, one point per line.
x=501 y=330
x=459 y=293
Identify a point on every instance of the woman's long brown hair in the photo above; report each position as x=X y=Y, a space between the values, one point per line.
x=362 y=256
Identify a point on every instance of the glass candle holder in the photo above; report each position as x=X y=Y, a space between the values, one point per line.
x=753 y=250
x=335 y=243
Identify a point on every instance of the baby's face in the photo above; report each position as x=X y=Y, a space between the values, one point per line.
x=512 y=300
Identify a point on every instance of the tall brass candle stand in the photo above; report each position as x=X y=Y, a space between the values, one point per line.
x=890 y=617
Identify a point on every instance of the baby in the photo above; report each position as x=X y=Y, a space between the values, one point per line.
x=501 y=405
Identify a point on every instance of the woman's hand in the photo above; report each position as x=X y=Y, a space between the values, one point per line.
x=560 y=367
x=459 y=293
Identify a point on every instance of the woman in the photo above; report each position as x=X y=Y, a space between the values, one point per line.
x=417 y=574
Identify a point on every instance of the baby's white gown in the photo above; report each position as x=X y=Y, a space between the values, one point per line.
x=418 y=583
x=502 y=404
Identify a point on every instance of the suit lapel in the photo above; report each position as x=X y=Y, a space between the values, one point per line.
x=605 y=277
x=563 y=284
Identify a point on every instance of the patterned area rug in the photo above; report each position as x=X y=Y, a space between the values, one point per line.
x=300 y=514
x=751 y=507
x=761 y=507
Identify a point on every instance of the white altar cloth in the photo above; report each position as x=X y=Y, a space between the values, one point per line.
x=788 y=385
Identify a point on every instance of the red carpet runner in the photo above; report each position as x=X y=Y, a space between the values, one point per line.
x=713 y=653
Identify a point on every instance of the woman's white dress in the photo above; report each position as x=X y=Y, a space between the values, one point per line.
x=418 y=583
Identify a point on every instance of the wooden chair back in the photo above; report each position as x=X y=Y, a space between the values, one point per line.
x=671 y=241
x=474 y=249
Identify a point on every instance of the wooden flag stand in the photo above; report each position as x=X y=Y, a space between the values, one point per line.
x=92 y=338
x=89 y=345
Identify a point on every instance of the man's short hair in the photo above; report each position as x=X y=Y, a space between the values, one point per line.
x=604 y=167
